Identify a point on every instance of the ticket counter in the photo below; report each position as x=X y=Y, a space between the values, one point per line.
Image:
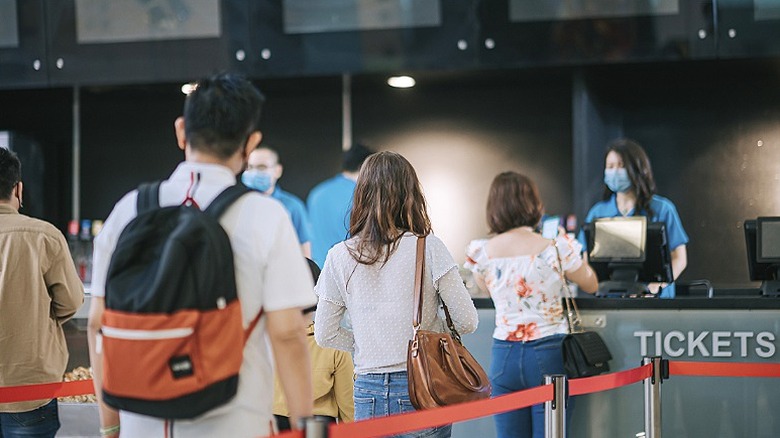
x=744 y=329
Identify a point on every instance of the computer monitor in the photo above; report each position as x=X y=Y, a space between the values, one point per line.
x=619 y=240
x=768 y=240
x=628 y=276
x=761 y=243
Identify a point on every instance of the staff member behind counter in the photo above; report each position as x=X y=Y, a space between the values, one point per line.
x=629 y=191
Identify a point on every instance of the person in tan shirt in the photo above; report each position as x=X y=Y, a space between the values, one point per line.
x=39 y=291
x=332 y=378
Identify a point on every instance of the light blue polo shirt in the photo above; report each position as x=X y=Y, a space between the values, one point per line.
x=329 y=204
x=663 y=211
x=297 y=211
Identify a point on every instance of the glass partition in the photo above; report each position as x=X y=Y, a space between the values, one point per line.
x=9 y=27
x=99 y=21
x=304 y=16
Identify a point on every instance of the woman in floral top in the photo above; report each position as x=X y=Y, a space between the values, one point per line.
x=521 y=271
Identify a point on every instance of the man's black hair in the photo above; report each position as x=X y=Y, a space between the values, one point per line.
x=353 y=158
x=10 y=172
x=220 y=114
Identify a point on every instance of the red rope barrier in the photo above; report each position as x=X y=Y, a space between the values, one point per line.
x=606 y=382
x=724 y=369
x=12 y=394
x=451 y=414
x=396 y=424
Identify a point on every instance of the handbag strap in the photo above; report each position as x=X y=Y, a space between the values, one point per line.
x=419 y=267
x=575 y=321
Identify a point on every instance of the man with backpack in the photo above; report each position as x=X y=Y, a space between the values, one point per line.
x=167 y=296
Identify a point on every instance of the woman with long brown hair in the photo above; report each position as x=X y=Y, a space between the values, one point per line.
x=371 y=277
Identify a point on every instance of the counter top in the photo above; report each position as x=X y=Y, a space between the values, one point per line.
x=739 y=303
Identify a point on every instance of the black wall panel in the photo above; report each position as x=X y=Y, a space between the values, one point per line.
x=23 y=61
x=75 y=59
x=748 y=28
x=45 y=117
x=302 y=121
x=516 y=33
x=277 y=51
x=461 y=130
x=128 y=136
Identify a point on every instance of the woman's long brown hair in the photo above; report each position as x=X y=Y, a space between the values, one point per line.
x=388 y=202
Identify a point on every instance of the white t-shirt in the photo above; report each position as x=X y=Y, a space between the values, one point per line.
x=270 y=273
x=380 y=302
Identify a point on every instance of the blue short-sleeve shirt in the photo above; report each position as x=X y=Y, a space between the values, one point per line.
x=329 y=204
x=297 y=210
x=663 y=211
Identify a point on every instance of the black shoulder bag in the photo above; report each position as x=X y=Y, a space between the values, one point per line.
x=584 y=352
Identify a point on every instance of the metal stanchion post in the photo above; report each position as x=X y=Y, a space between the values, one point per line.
x=653 y=398
x=555 y=410
x=314 y=427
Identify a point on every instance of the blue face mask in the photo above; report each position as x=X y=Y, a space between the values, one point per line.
x=617 y=179
x=255 y=179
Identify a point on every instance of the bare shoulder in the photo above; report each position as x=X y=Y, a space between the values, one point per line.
x=516 y=244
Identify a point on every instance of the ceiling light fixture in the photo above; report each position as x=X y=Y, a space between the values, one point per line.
x=401 y=81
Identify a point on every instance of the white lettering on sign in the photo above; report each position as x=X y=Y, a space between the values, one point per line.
x=698 y=342
x=766 y=340
x=743 y=337
x=669 y=349
x=721 y=344
x=706 y=344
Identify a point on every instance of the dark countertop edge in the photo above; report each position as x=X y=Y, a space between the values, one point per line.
x=737 y=303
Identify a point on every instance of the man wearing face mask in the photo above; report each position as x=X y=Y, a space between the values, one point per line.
x=630 y=191
x=262 y=173
x=39 y=291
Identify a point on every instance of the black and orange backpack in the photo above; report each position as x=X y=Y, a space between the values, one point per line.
x=172 y=334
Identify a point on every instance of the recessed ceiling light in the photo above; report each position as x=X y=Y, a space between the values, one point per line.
x=401 y=81
x=189 y=88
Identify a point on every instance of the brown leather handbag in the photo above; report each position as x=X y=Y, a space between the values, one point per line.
x=441 y=371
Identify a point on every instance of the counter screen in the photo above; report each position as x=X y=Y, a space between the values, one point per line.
x=9 y=28
x=100 y=21
x=766 y=10
x=306 y=16
x=553 y=10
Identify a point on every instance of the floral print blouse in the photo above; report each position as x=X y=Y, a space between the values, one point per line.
x=526 y=290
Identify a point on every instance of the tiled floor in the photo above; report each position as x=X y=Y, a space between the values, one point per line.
x=78 y=420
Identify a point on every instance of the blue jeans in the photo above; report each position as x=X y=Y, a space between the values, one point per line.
x=521 y=365
x=380 y=395
x=42 y=422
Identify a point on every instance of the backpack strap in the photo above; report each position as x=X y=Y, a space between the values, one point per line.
x=225 y=200
x=252 y=326
x=215 y=210
x=148 y=197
